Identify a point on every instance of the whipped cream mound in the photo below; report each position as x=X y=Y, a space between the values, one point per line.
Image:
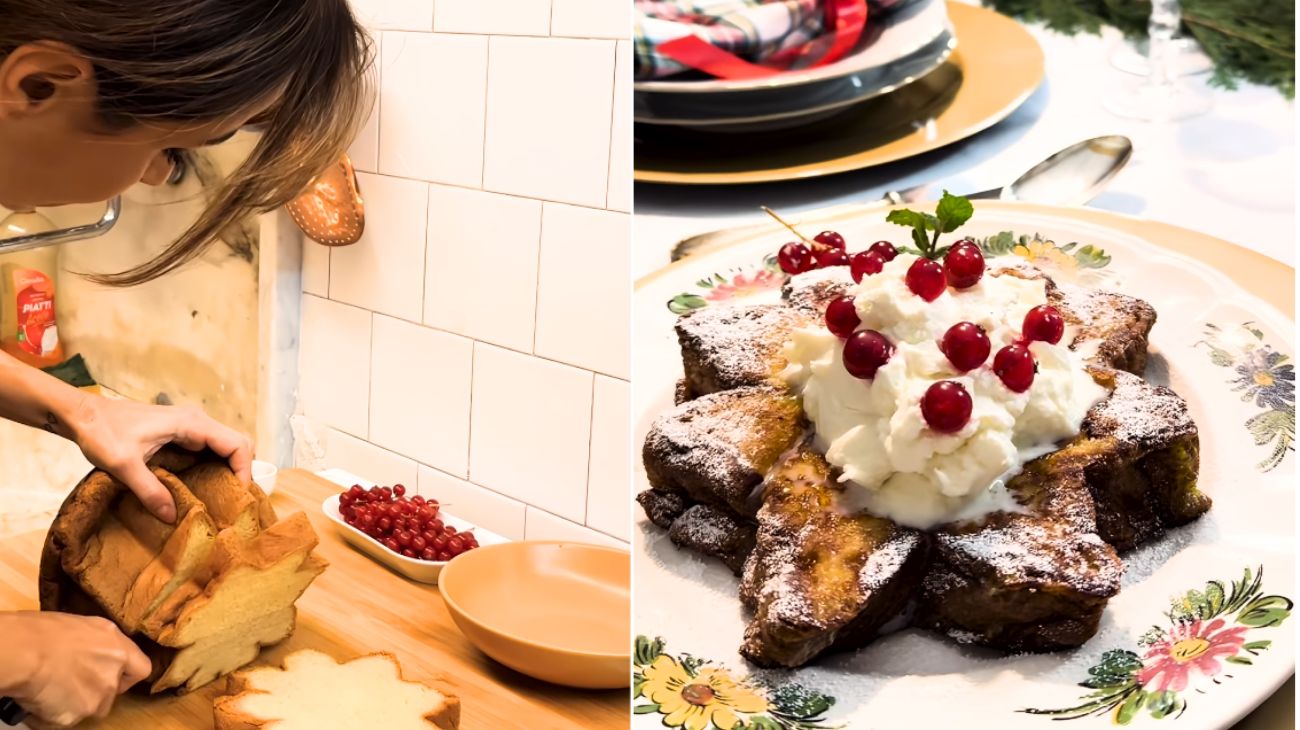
x=873 y=430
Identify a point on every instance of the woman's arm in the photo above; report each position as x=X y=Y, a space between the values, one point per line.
x=63 y=668
x=117 y=436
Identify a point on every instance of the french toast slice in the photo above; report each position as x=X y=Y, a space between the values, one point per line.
x=1031 y=580
x=821 y=579
x=1143 y=458
x=1114 y=326
x=813 y=291
x=734 y=346
x=716 y=449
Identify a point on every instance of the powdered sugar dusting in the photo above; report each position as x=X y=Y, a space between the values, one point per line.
x=739 y=344
x=1140 y=413
x=1027 y=552
x=886 y=560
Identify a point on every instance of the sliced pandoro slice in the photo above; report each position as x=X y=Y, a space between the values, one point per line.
x=229 y=502
x=365 y=692
x=1030 y=580
x=247 y=604
x=1144 y=458
x=732 y=346
x=1112 y=328
x=822 y=578
x=716 y=449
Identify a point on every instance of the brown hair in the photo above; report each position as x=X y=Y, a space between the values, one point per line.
x=207 y=60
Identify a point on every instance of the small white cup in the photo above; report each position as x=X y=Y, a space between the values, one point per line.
x=264 y=473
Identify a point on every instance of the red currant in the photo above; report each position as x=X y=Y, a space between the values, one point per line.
x=946 y=406
x=408 y=553
x=1044 y=324
x=795 y=258
x=427 y=554
x=832 y=257
x=449 y=530
x=883 y=249
x=842 y=316
x=384 y=523
x=444 y=556
x=1014 y=365
x=964 y=264
x=966 y=346
x=456 y=544
x=925 y=279
x=439 y=543
x=419 y=543
x=865 y=263
x=393 y=545
x=399 y=490
x=830 y=238
x=864 y=353
x=404 y=538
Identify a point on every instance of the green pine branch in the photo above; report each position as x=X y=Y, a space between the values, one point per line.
x=1248 y=40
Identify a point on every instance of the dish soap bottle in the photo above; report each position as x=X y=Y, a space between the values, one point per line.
x=27 y=281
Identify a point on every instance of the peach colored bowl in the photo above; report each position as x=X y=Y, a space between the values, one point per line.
x=557 y=611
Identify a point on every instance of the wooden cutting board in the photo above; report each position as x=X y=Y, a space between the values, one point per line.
x=356 y=607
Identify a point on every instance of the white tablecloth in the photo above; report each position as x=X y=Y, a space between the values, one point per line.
x=1229 y=173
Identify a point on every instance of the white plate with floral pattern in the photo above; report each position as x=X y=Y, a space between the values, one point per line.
x=1201 y=631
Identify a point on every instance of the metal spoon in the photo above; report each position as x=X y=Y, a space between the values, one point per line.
x=1073 y=176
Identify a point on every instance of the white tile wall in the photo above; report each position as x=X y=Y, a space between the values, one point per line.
x=499 y=17
x=549 y=117
x=467 y=500
x=531 y=430
x=431 y=107
x=365 y=148
x=334 y=388
x=474 y=343
x=590 y=18
x=609 y=481
x=395 y=14
x=383 y=272
x=620 y=149
x=542 y=525
x=481 y=268
x=583 y=298
x=368 y=461
x=419 y=405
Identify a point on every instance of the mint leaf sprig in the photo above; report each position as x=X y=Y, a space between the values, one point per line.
x=949 y=215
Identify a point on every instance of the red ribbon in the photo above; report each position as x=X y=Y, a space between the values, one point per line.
x=844 y=18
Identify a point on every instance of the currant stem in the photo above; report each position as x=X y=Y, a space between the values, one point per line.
x=793 y=230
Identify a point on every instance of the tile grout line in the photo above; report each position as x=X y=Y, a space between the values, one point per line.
x=487 y=78
x=488 y=343
x=469 y=427
x=537 y=289
x=490 y=191
x=591 y=437
x=613 y=112
x=370 y=374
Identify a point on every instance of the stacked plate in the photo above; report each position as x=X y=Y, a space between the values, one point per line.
x=927 y=75
x=912 y=41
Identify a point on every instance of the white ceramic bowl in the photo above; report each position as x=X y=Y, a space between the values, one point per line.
x=422 y=571
x=264 y=474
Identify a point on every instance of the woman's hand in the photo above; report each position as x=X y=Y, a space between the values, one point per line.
x=63 y=669
x=119 y=436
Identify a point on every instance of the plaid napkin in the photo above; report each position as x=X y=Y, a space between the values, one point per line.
x=751 y=29
x=754 y=30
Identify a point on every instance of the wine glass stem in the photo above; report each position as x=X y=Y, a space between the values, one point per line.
x=1166 y=18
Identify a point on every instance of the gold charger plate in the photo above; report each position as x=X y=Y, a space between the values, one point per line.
x=995 y=68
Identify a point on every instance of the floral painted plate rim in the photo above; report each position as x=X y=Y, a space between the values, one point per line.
x=1219 y=623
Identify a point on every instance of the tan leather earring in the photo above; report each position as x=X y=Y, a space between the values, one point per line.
x=331 y=211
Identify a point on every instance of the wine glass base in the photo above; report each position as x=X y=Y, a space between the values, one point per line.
x=1152 y=103
x=1186 y=58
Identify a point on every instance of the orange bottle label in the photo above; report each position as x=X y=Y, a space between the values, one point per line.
x=34 y=295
